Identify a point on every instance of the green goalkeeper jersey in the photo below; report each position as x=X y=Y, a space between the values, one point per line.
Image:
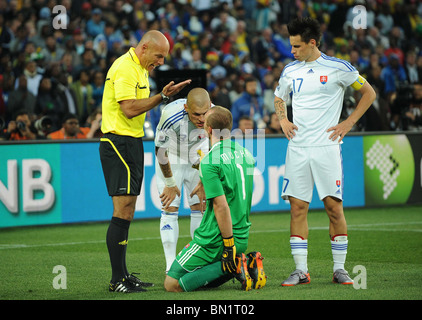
x=226 y=170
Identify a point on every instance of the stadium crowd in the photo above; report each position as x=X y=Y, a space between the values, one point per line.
x=51 y=79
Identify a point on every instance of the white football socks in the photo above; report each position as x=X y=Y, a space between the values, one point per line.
x=299 y=248
x=339 y=249
x=195 y=220
x=169 y=232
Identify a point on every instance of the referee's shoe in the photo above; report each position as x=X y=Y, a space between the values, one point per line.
x=138 y=282
x=125 y=286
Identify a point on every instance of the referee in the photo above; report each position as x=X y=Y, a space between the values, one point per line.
x=126 y=99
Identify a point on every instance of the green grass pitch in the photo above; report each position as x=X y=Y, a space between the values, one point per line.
x=384 y=242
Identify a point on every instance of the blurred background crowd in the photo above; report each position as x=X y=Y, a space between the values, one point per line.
x=52 y=79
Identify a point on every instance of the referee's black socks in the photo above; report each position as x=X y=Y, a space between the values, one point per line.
x=117 y=236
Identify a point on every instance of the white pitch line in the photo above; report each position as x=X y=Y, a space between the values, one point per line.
x=358 y=227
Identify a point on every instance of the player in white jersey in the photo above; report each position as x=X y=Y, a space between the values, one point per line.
x=180 y=141
x=316 y=83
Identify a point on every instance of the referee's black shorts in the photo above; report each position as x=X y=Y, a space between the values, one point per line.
x=122 y=159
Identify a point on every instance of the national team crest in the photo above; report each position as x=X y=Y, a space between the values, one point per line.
x=338 y=183
x=323 y=79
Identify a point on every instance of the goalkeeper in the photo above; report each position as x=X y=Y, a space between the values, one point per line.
x=216 y=253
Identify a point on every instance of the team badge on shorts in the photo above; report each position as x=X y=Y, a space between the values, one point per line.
x=323 y=79
x=338 y=184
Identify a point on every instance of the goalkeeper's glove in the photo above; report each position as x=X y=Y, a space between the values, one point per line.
x=228 y=262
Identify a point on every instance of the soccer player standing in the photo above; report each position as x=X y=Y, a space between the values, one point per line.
x=317 y=83
x=179 y=137
x=216 y=252
x=126 y=99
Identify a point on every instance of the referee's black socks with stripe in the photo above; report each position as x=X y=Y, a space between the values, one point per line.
x=117 y=236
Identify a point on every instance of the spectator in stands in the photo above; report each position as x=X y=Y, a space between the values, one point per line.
x=384 y=19
x=282 y=42
x=79 y=41
x=243 y=40
x=273 y=125
x=238 y=87
x=413 y=74
x=246 y=125
x=6 y=35
x=88 y=63
x=94 y=123
x=32 y=76
x=393 y=74
x=374 y=38
x=66 y=94
x=19 y=40
x=21 y=97
x=96 y=24
x=71 y=129
x=396 y=50
x=265 y=47
x=225 y=21
x=49 y=103
x=52 y=51
x=412 y=115
x=21 y=128
x=83 y=92
x=97 y=83
x=249 y=104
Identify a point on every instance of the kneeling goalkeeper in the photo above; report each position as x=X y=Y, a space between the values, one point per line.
x=216 y=253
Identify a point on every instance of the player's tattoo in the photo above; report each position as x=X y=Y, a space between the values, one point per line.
x=280 y=109
x=163 y=161
x=166 y=170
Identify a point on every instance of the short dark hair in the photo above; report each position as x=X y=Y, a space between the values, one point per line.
x=306 y=28
x=69 y=116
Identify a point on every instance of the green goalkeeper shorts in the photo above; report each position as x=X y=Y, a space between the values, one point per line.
x=193 y=257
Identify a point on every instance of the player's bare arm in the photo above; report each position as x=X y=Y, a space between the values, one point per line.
x=170 y=190
x=200 y=192
x=340 y=130
x=134 y=107
x=287 y=126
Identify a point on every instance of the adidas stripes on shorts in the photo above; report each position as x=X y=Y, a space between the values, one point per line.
x=193 y=256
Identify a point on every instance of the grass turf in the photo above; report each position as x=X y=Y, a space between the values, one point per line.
x=385 y=241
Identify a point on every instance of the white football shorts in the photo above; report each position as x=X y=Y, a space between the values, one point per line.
x=306 y=166
x=185 y=176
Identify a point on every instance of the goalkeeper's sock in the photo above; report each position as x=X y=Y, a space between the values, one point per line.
x=202 y=276
x=339 y=245
x=299 y=248
x=169 y=232
x=116 y=239
x=195 y=220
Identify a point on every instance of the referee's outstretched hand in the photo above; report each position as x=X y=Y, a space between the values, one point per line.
x=171 y=89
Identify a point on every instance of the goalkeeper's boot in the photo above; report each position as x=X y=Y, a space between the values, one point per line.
x=242 y=274
x=296 y=277
x=341 y=276
x=138 y=282
x=124 y=286
x=256 y=269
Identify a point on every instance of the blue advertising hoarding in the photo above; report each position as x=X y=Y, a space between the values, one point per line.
x=49 y=183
